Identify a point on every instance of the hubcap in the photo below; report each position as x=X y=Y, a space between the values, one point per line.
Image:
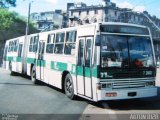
x=33 y=74
x=69 y=86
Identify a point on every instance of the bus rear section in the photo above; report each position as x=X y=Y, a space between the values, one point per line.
x=12 y=59
x=126 y=67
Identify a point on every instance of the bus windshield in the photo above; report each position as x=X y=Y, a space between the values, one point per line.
x=122 y=51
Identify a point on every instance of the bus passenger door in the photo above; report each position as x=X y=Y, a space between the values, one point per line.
x=40 y=61
x=84 y=76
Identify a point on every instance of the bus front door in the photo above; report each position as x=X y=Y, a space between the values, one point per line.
x=84 y=75
x=40 y=61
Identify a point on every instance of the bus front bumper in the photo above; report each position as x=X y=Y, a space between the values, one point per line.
x=126 y=93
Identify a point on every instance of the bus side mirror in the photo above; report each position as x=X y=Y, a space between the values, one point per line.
x=98 y=42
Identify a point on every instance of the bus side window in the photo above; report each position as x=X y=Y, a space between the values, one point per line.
x=20 y=50
x=80 y=53
x=50 y=44
x=88 y=53
x=59 y=43
x=33 y=44
x=70 y=43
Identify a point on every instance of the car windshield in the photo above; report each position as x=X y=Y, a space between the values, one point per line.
x=126 y=51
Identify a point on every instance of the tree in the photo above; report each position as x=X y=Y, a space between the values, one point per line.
x=7 y=3
x=6 y=19
x=13 y=25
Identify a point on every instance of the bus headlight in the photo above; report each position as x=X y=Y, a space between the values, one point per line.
x=151 y=83
x=109 y=85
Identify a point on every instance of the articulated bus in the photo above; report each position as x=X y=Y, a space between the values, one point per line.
x=100 y=61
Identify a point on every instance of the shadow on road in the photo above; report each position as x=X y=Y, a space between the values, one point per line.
x=16 y=84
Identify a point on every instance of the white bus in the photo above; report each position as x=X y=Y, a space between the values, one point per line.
x=100 y=61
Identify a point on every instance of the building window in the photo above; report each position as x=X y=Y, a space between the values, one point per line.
x=96 y=12
x=71 y=13
x=87 y=12
x=115 y=13
x=95 y=20
x=70 y=43
x=87 y=20
x=106 y=11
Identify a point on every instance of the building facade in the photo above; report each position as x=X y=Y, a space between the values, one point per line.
x=107 y=11
x=49 y=20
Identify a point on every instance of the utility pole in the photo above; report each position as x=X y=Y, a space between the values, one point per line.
x=26 y=42
x=28 y=19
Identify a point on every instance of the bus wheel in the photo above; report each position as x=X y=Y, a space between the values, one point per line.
x=69 y=88
x=33 y=75
x=10 y=68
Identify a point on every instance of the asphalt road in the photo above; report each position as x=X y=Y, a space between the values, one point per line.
x=19 y=96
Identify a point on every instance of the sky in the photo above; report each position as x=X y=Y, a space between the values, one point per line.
x=152 y=6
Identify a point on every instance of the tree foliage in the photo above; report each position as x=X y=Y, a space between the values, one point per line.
x=6 y=19
x=7 y=3
x=13 y=25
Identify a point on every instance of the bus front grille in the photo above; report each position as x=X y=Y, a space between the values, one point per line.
x=129 y=83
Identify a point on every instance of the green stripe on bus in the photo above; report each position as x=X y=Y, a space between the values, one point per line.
x=9 y=58
x=95 y=71
x=30 y=60
x=41 y=63
x=87 y=71
x=19 y=59
x=58 y=66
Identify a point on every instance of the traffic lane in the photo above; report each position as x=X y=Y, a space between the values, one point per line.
x=42 y=99
x=19 y=95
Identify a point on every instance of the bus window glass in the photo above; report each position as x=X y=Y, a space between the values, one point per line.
x=60 y=37
x=15 y=45
x=20 y=50
x=71 y=36
x=140 y=52
x=33 y=44
x=80 y=52
x=88 y=53
x=70 y=43
x=59 y=43
x=114 y=51
x=126 y=51
x=49 y=48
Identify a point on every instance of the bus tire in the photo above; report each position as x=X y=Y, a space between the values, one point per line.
x=10 y=68
x=33 y=75
x=69 y=87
